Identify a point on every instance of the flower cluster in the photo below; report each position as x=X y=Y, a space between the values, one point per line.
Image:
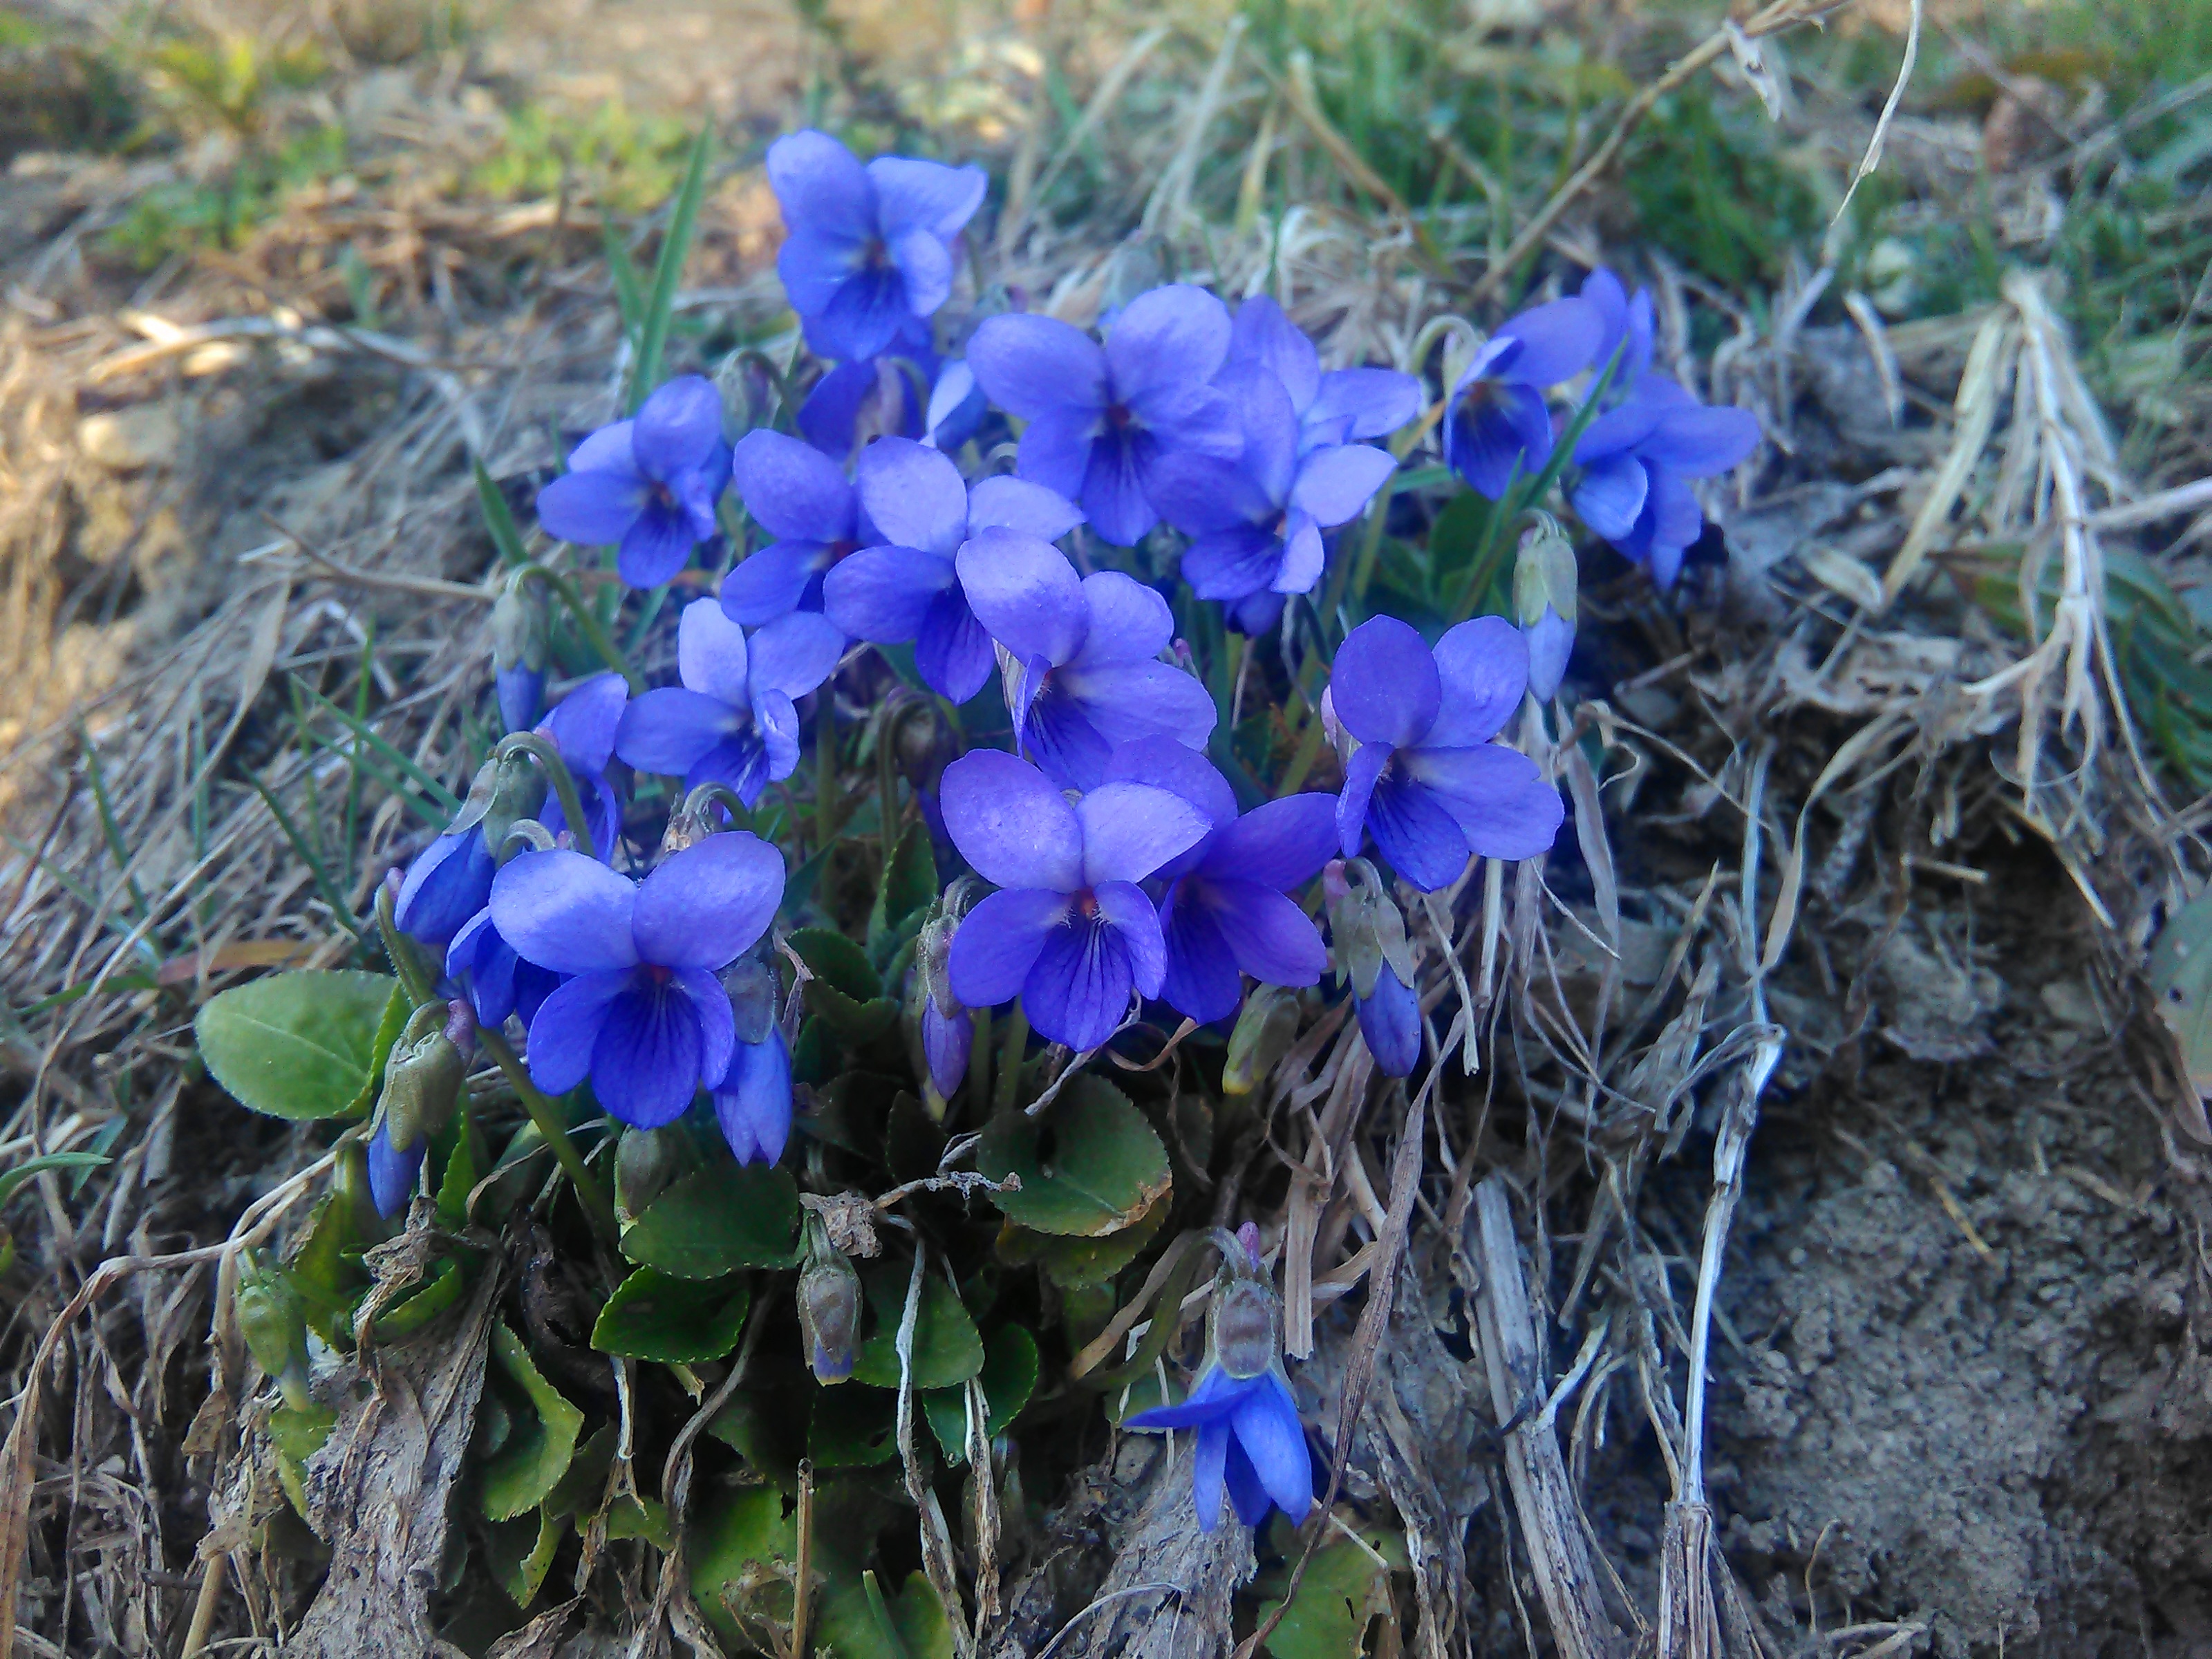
x=1122 y=861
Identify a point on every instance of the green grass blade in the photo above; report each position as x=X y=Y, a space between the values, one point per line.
x=675 y=249
x=109 y=828
x=382 y=745
x=314 y=860
x=499 y=517
x=630 y=295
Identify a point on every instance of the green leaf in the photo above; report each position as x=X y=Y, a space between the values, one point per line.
x=860 y=1622
x=1009 y=1378
x=852 y=1428
x=30 y=1168
x=499 y=517
x=404 y=1319
x=1077 y=1264
x=299 y=1434
x=947 y=1350
x=1344 y=1589
x=638 y=1517
x=522 y=1552
x=536 y=1453
x=734 y=1550
x=1089 y=1165
x=461 y=1174
x=672 y=1321
x=718 y=1220
x=2181 y=980
x=299 y=1045
x=328 y=1282
x=836 y=961
x=907 y=889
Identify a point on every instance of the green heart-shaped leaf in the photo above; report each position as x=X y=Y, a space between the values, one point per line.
x=300 y=1045
x=947 y=1350
x=853 y=1022
x=439 y=1294
x=536 y=1453
x=521 y=1553
x=837 y=962
x=672 y=1321
x=1344 y=1590
x=852 y=1428
x=1081 y=1264
x=858 y=1621
x=1009 y=1378
x=1090 y=1165
x=718 y=1220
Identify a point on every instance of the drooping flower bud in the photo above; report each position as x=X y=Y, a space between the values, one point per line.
x=422 y=1078
x=505 y=789
x=1243 y=1323
x=1266 y=1027
x=948 y=1030
x=646 y=1164
x=1544 y=585
x=274 y=1323
x=828 y=1307
x=520 y=647
x=1372 y=953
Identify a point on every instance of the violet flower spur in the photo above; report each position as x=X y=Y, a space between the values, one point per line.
x=1223 y=913
x=1334 y=406
x=648 y=485
x=1638 y=459
x=1496 y=425
x=1080 y=664
x=911 y=589
x=1070 y=932
x=643 y=1016
x=799 y=495
x=1257 y=522
x=869 y=248
x=1421 y=772
x=1250 y=1437
x=1102 y=418
x=733 y=721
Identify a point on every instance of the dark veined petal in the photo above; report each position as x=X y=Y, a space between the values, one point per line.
x=1202 y=979
x=1012 y=824
x=1031 y=367
x=566 y=1027
x=999 y=942
x=710 y=1003
x=711 y=655
x=566 y=912
x=1273 y=939
x=1113 y=490
x=792 y=489
x=1246 y=1495
x=1281 y=844
x=1055 y=453
x=657 y=544
x=707 y=905
x=914 y=494
x=1361 y=773
x=817 y=265
x=1391 y=1021
x=1499 y=800
x=1078 y=987
x=867 y=314
x=1609 y=495
x=1483 y=665
x=1130 y=914
x=645 y=1065
x=1056 y=733
x=1384 y=683
x=1496 y=435
x=1129 y=621
x=1228 y=564
x=1422 y=841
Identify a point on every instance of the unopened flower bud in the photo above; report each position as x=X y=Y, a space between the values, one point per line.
x=422 y=1078
x=275 y=1326
x=519 y=651
x=1544 y=585
x=923 y=745
x=751 y=984
x=1364 y=926
x=947 y=1029
x=505 y=789
x=1243 y=1323
x=828 y=1307
x=1266 y=1027
x=1391 y=1021
x=393 y=1171
x=646 y=1164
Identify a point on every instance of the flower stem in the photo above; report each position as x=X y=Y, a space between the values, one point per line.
x=1009 y=1058
x=401 y=949
x=588 y=623
x=825 y=767
x=1302 y=762
x=979 y=1065
x=548 y=1117
x=547 y=754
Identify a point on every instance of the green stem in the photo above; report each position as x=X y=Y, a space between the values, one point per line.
x=887 y=809
x=548 y=1117
x=1371 y=544
x=825 y=767
x=979 y=1065
x=547 y=754
x=588 y=623
x=1302 y=762
x=401 y=949
x=1009 y=1058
